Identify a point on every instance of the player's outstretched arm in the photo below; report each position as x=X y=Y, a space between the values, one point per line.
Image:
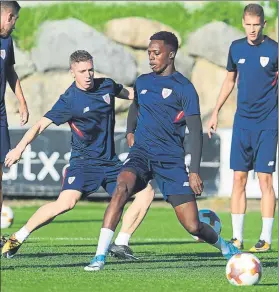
x=14 y=83
x=226 y=90
x=15 y=154
x=126 y=93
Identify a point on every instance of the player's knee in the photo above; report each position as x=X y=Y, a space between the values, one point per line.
x=146 y=196
x=266 y=183
x=71 y=204
x=193 y=228
x=240 y=180
x=65 y=205
x=150 y=193
x=121 y=192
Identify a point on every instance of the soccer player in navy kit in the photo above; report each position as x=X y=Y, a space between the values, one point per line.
x=88 y=107
x=9 y=16
x=254 y=61
x=166 y=102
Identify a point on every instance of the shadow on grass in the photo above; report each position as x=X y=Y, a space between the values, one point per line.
x=53 y=254
x=113 y=266
x=44 y=266
x=132 y=244
x=69 y=245
x=205 y=258
x=77 y=221
x=191 y=259
x=204 y=255
x=162 y=242
x=273 y=264
x=171 y=257
x=69 y=221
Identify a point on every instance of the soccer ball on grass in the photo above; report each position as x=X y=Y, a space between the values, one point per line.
x=7 y=217
x=244 y=269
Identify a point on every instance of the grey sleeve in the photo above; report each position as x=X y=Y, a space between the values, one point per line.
x=132 y=118
x=194 y=125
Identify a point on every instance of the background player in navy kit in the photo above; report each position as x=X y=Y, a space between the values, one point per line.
x=167 y=101
x=9 y=16
x=88 y=106
x=254 y=60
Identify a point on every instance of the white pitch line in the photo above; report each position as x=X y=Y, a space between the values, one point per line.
x=134 y=240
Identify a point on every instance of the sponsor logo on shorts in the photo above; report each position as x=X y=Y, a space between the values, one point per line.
x=264 y=61
x=241 y=61
x=106 y=98
x=186 y=184
x=86 y=109
x=3 y=54
x=71 y=179
x=143 y=91
x=126 y=161
x=166 y=92
x=271 y=163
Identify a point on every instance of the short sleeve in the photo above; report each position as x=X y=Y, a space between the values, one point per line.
x=190 y=100
x=231 y=66
x=11 y=60
x=276 y=64
x=117 y=88
x=61 y=112
x=135 y=94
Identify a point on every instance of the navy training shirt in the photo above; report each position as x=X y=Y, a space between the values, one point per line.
x=257 y=68
x=91 y=116
x=163 y=103
x=7 y=59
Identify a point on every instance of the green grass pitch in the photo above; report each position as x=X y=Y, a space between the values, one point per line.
x=53 y=257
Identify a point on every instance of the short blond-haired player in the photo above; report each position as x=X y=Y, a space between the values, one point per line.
x=88 y=105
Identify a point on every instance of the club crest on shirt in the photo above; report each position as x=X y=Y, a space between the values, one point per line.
x=106 y=98
x=166 y=92
x=264 y=61
x=3 y=54
x=71 y=179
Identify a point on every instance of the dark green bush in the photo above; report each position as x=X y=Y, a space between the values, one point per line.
x=172 y=14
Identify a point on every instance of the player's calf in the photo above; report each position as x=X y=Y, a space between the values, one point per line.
x=209 y=235
x=204 y=232
x=121 y=195
x=115 y=208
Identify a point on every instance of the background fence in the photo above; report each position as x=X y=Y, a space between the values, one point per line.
x=39 y=173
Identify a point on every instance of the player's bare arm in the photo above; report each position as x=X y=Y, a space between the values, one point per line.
x=15 y=154
x=225 y=92
x=14 y=83
x=126 y=93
